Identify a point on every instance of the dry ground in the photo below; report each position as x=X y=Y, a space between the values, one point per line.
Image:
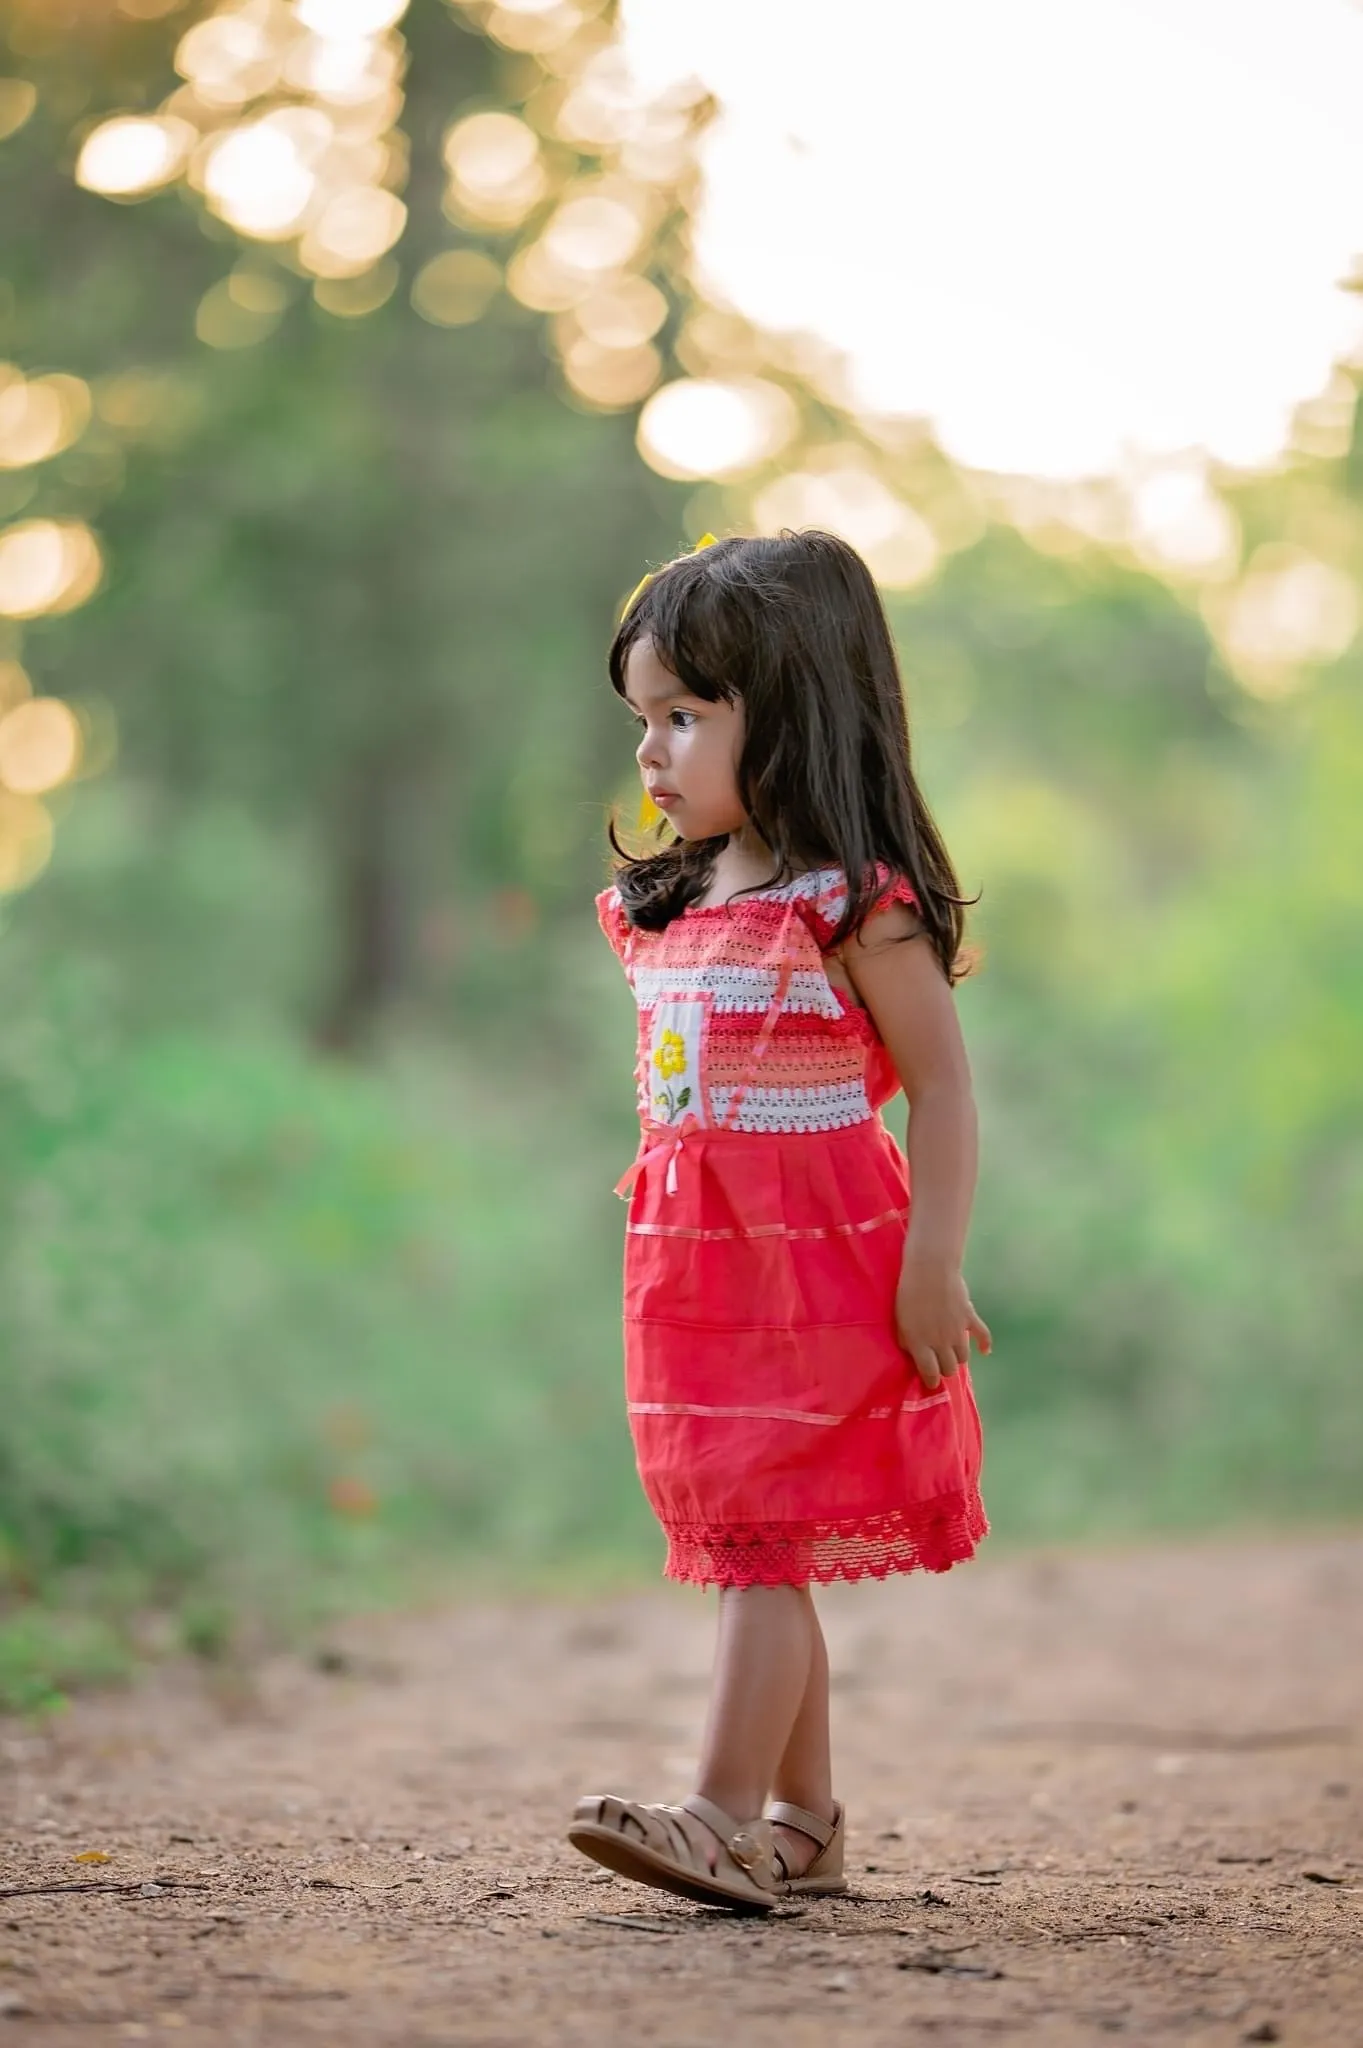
x=1092 y=1798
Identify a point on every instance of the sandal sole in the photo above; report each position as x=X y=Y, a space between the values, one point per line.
x=631 y=1859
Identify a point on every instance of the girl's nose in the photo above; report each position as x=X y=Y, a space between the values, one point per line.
x=646 y=751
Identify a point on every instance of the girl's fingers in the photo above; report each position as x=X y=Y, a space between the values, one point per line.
x=980 y=1330
x=929 y=1371
x=961 y=1350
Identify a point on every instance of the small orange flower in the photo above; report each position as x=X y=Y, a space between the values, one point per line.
x=354 y=1498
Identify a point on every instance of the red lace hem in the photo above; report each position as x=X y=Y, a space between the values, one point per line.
x=930 y=1537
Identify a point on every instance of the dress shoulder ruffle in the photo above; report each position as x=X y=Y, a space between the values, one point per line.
x=610 y=915
x=822 y=907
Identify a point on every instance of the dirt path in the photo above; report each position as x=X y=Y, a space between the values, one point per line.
x=1091 y=1798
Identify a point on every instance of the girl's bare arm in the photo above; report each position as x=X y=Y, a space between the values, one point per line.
x=900 y=980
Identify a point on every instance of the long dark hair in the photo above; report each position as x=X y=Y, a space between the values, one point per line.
x=794 y=627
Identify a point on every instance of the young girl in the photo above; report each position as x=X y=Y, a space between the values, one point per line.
x=796 y=1344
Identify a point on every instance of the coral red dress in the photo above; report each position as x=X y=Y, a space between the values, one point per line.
x=782 y=1434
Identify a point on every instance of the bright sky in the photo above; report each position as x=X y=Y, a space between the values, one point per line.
x=1073 y=233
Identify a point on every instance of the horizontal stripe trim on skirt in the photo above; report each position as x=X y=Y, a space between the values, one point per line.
x=806 y=1234
x=782 y=1414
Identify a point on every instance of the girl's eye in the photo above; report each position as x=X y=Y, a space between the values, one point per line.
x=680 y=720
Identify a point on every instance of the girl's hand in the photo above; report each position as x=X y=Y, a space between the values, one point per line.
x=935 y=1319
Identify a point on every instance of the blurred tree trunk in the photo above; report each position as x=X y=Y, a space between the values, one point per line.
x=366 y=866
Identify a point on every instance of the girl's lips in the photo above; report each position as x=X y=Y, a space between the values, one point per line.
x=663 y=797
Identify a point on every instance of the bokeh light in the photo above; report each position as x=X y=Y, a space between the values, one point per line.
x=143 y=402
x=256 y=179
x=258 y=291
x=352 y=231
x=456 y=288
x=18 y=98
x=41 y=417
x=1323 y=424
x=352 y=297
x=847 y=498
x=230 y=58
x=497 y=174
x=15 y=687
x=594 y=232
x=602 y=106
x=240 y=310
x=46 y=566
x=611 y=378
x=25 y=840
x=133 y=154
x=622 y=314
x=347 y=18
x=537 y=281
x=705 y=427
x=605 y=340
x=40 y=746
x=536 y=30
x=1288 y=614
x=350 y=74
x=1180 y=528
x=604 y=109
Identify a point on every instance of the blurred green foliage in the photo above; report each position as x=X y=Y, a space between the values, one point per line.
x=315 y=1074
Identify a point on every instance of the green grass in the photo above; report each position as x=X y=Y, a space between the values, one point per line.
x=281 y=1337
x=277 y=1334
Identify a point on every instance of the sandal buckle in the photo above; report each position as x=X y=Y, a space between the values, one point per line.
x=747 y=1850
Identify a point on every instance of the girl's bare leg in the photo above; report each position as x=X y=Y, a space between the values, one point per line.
x=762 y=1658
x=804 y=1776
x=769 y=1659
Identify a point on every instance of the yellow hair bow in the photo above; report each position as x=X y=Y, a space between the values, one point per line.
x=707 y=540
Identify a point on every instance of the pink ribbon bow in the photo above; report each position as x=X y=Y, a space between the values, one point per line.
x=668 y=1141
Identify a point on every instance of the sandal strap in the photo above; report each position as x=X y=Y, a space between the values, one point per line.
x=806 y=1823
x=660 y=1828
x=748 y=1842
x=721 y=1823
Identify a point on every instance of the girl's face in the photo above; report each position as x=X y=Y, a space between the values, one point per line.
x=688 y=748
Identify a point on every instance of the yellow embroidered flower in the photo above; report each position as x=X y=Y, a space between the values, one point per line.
x=670 y=1058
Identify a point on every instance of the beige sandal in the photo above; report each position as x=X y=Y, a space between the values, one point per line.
x=824 y=1874
x=667 y=1847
